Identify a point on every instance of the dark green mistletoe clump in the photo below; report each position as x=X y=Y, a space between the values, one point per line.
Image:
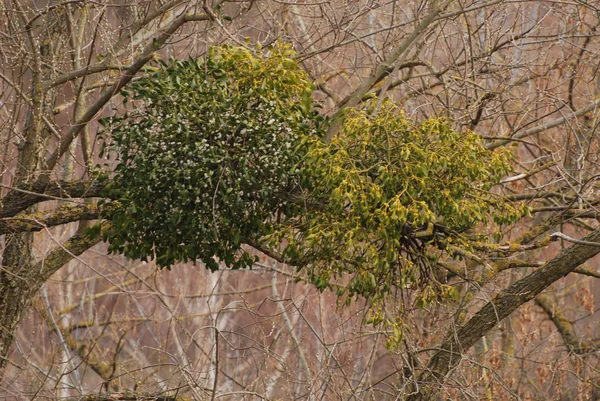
x=207 y=155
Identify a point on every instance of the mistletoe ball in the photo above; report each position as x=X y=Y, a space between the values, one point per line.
x=207 y=155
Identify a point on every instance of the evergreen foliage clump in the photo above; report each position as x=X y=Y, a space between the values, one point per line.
x=387 y=196
x=207 y=155
x=228 y=149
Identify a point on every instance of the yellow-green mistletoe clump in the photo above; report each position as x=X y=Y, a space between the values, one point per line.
x=383 y=192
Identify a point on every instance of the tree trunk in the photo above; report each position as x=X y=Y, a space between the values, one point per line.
x=18 y=279
x=15 y=293
x=20 y=276
x=18 y=283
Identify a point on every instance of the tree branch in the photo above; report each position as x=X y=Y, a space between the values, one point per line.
x=146 y=56
x=18 y=200
x=129 y=396
x=124 y=40
x=565 y=328
x=383 y=69
x=587 y=271
x=38 y=221
x=460 y=340
x=543 y=127
x=75 y=246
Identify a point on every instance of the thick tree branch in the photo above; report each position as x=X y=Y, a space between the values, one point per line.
x=40 y=220
x=129 y=396
x=84 y=71
x=460 y=340
x=18 y=200
x=75 y=246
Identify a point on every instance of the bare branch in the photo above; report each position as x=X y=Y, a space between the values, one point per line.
x=383 y=68
x=566 y=328
x=127 y=76
x=550 y=124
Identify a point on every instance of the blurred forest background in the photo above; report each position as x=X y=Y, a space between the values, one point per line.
x=523 y=74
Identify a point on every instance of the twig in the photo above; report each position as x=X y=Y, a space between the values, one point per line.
x=555 y=236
